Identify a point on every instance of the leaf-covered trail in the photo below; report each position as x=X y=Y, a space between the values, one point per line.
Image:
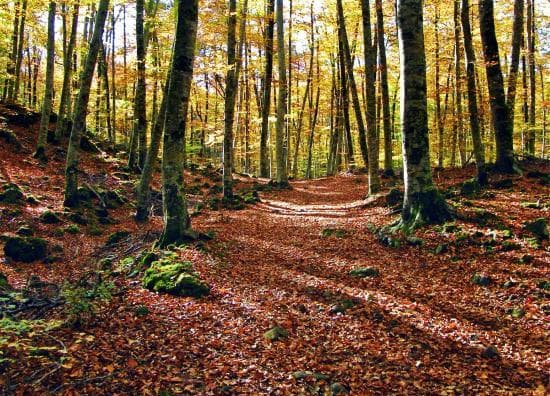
x=418 y=327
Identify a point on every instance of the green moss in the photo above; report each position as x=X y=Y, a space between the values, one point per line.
x=25 y=230
x=298 y=375
x=276 y=333
x=367 y=272
x=414 y=241
x=25 y=249
x=49 y=217
x=4 y=284
x=336 y=232
x=174 y=277
x=442 y=248
x=394 y=197
x=72 y=229
x=516 y=312
x=470 y=187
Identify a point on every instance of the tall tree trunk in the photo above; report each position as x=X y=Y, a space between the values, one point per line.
x=81 y=106
x=313 y=118
x=532 y=88
x=543 y=143
x=479 y=151
x=370 y=77
x=282 y=177
x=9 y=84
x=351 y=80
x=113 y=76
x=62 y=117
x=501 y=116
x=514 y=64
x=439 y=123
x=138 y=149
x=19 y=56
x=104 y=75
x=388 y=155
x=230 y=95
x=458 y=85
x=422 y=202
x=143 y=190
x=266 y=95
x=48 y=90
x=177 y=224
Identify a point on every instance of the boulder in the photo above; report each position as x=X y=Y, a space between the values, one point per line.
x=49 y=217
x=367 y=272
x=538 y=227
x=276 y=333
x=25 y=249
x=174 y=277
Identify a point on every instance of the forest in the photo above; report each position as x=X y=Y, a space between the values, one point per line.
x=275 y=197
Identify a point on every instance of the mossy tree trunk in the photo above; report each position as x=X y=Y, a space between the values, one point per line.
x=20 y=42
x=479 y=151
x=62 y=117
x=282 y=177
x=266 y=94
x=177 y=224
x=531 y=138
x=370 y=79
x=517 y=34
x=422 y=203
x=48 y=89
x=500 y=114
x=81 y=106
x=230 y=95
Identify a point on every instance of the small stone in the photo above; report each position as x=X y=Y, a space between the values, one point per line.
x=367 y=272
x=481 y=279
x=25 y=230
x=526 y=259
x=12 y=195
x=116 y=237
x=276 y=333
x=415 y=241
x=490 y=352
x=538 y=227
x=442 y=248
x=298 y=375
x=338 y=389
x=517 y=312
x=470 y=187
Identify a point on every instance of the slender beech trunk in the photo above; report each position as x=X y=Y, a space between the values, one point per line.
x=479 y=151
x=532 y=88
x=514 y=64
x=62 y=117
x=48 y=90
x=266 y=95
x=348 y=63
x=422 y=203
x=439 y=123
x=104 y=78
x=230 y=95
x=20 y=51
x=81 y=106
x=460 y=137
x=282 y=178
x=138 y=149
x=500 y=114
x=177 y=223
x=370 y=77
x=113 y=76
x=9 y=84
x=388 y=155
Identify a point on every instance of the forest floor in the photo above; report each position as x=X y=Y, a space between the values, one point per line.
x=420 y=326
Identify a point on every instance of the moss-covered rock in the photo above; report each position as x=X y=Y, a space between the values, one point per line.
x=367 y=272
x=414 y=241
x=490 y=352
x=441 y=248
x=336 y=232
x=276 y=333
x=503 y=184
x=470 y=187
x=78 y=218
x=4 y=284
x=11 y=195
x=301 y=374
x=25 y=249
x=49 y=217
x=516 y=312
x=113 y=199
x=538 y=227
x=117 y=237
x=174 y=277
x=72 y=229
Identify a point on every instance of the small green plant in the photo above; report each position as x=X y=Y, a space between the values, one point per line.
x=84 y=299
x=72 y=229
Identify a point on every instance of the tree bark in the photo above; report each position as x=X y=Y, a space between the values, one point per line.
x=62 y=117
x=422 y=203
x=48 y=89
x=266 y=95
x=282 y=177
x=230 y=95
x=81 y=107
x=532 y=88
x=20 y=51
x=370 y=77
x=514 y=64
x=500 y=115
x=479 y=151
x=177 y=223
